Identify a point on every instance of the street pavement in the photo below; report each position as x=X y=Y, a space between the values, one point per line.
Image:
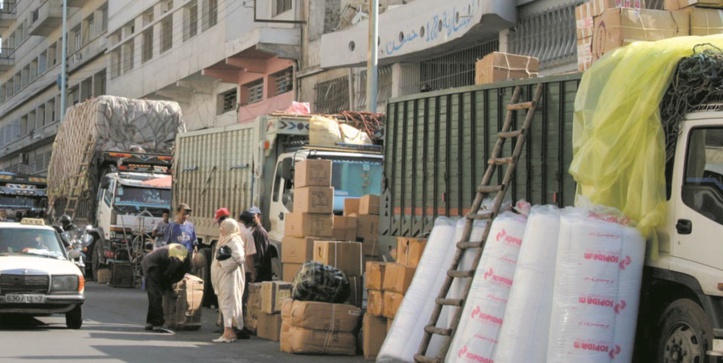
x=113 y=332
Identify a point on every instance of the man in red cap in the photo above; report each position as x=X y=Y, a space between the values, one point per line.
x=221 y=214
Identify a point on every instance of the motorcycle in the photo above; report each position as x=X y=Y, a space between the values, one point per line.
x=77 y=241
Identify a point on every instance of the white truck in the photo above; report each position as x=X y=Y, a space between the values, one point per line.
x=252 y=164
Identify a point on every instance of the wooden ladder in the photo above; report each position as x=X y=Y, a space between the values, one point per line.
x=78 y=180
x=485 y=188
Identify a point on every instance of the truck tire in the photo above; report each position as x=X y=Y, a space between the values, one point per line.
x=74 y=318
x=686 y=333
x=97 y=258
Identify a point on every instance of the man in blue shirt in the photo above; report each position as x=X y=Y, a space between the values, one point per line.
x=182 y=230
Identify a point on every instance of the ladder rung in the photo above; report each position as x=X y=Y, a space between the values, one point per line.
x=424 y=359
x=500 y=161
x=450 y=302
x=460 y=274
x=467 y=245
x=490 y=188
x=479 y=216
x=509 y=134
x=520 y=106
x=439 y=331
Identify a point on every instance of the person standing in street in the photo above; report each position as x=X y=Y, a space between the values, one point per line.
x=159 y=232
x=162 y=268
x=262 y=258
x=182 y=230
x=227 y=275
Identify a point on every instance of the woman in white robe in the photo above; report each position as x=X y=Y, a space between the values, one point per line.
x=227 y=277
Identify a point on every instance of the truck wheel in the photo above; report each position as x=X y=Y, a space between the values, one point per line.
x=74 y=318
x=97 y=258
x=685 y=333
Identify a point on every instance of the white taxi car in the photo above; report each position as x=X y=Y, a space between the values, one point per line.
x=36 y=276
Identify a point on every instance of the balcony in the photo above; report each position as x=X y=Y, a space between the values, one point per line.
x=46 y=18
x=7 y=58
x=76 y=3
x=8 y=15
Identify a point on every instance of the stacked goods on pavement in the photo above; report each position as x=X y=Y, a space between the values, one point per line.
x=272 y=296
x=253 y=307
x=182 y=305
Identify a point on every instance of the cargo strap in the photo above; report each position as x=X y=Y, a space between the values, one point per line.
x=485 y=188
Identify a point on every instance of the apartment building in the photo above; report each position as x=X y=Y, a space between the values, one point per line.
x=30 y=66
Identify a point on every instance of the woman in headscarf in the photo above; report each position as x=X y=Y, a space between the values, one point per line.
x=227 y=277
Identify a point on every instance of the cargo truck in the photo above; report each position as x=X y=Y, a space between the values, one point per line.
x=252 y=164
x=440 y=140
x=110 y=172
x=22 y=193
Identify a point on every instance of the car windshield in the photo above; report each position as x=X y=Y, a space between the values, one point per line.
x=40 y=242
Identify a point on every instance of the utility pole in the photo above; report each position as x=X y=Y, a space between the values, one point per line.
x=64 y=63
x=372 y=56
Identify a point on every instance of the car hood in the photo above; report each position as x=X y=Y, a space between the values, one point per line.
x=49 y=265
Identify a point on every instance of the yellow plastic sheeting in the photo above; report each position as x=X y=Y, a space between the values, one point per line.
x=618 y=141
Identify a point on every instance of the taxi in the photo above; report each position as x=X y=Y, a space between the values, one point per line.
x=36 y=276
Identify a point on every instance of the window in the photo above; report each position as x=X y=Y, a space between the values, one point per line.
x=76 y=39
x=190 y=17
x=129 y=29
x=99 y=83
x=253 y=92
x=283 y=81
x=41 y=116
x=147 y=45
x=88 y=29
x=210 y=13
x=167 y=33
x=167 y=6
x=703 y=185
x=50 y=109
x=332 y=96
x=281 y=6
x=103 y=17
x=227 y=101
x=148 y=17
x=128 y=55
x=42 y=62
x=52 y=56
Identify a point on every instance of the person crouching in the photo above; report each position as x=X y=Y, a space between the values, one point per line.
x=162 y=268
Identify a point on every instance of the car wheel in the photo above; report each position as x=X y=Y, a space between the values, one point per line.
x=97 y=258
x=74 y=318
x=686 y=333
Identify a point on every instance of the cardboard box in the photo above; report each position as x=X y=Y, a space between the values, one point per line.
x=498 y=66
x=356 y=285
x=344 y=228
x=375 y=275
x=351 y=207
x=308 y=224
x=269 y=326
x=370 y=248
x=104 y=274
x=367 y=227
x=590 y=9
x=312 y=172
x=374 y=331
x=410 y=250
x=618 y=27
x=369 y=204
x=346 y=256
x=315 y=315
x=273 y=293
x=391 y=303
x=290 y=270
x=705 y=21
x=680 y=4
x=298 y=340
x=314 y=200
x=253 y=307
x=297 y=250
x=375 y=303
x=397 y=278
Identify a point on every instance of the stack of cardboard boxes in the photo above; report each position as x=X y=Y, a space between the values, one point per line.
x=604 y=25
x=253 y=307
x=272 y=296
x=319 y=328
x=312 y=218
x=387 y=283
x=347 y=257
x=365 y=212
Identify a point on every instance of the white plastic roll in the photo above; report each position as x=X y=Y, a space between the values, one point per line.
x=402 y=341
x=631 y=276
x=523 y=337
x=457 y=287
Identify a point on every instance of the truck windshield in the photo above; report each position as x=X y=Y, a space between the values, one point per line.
x=355 y=178
x=15 y=201
x=127 y=195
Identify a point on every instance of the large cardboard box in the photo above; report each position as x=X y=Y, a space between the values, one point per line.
x=397 y=278
x=392 y=301
x=680 y=4
x=104 y=274
x=356 y=285
x=367 y=227
x=705 y=21
x=344 y=228
x=374 y=331
x=369 y=204
x=498 y=66
x=409 y=250
x=308 y=224
x=315 y=315
x=312 y=172
x=351 y=206
x=273 y=293
x=299 y=340
x=314 y=200
x=375 y=274
x=346 y=256
x=269 y=326
x=253 y=307
x=290 y=270
x=585 y=13
x=297 y=250
x=375 y=303
x=182 y=305
x=370 y=248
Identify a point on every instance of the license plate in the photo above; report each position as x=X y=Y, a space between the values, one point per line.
x=24 y=299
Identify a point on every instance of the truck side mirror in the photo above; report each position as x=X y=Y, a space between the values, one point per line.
x=105 y=182
x=287 y=169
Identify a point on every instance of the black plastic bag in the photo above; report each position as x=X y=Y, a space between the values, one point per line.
x=319 y=282
x=223 y=253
